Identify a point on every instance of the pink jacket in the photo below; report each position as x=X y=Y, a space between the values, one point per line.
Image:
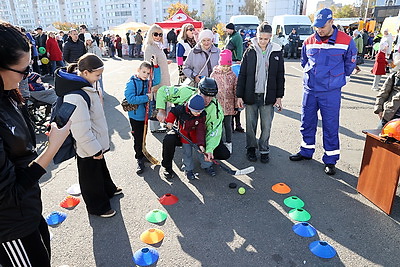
x=226 y=96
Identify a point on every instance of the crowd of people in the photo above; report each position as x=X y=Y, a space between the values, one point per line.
x=198 y=114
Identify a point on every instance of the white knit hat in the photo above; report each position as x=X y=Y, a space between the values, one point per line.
x=88 y=36
x=205 y=34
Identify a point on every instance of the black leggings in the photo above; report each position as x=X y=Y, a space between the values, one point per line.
x=32 y=250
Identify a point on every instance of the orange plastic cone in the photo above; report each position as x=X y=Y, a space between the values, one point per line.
x=152 y=236
x=281 y=188
x=70 y=202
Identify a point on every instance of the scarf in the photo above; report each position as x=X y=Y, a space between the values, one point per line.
x=191 y=42
x=262 y=64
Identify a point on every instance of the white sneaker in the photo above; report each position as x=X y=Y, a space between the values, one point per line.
x=375 y=88
x=229 y=147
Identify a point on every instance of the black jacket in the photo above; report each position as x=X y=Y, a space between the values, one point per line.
x=20 y=203
x=247 y=76
x=171 y=37
x=73 y=50
x=41 y=40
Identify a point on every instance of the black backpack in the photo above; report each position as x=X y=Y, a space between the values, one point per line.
x=67 y=150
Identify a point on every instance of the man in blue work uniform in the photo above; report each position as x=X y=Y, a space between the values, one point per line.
x=328 y=58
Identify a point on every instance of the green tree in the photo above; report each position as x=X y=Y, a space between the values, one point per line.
x=253 y=7
x=347 y=11
x=209 y=16
x=65 y=26
x=173 y=8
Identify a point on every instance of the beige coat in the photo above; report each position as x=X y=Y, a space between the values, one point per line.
x=388 y=98
x=161 y=61
x=89 y=127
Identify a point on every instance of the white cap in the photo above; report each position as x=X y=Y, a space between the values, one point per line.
x=88 y=36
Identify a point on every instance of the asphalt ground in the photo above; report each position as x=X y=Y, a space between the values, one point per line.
x=212 y=225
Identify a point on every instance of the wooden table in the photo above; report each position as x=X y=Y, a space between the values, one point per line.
x=380 y=171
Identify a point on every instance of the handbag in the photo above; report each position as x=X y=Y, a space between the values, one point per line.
x=128 y=107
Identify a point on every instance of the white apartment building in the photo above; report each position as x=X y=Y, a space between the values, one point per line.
x=282 y=7
x=99 y=15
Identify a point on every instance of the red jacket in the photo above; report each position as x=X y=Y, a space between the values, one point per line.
x=53 y=49
x=193 y=127
x=380 y=64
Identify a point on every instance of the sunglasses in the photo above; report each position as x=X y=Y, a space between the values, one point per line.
x=190 y=29
x=25 y=72
x=156 y=34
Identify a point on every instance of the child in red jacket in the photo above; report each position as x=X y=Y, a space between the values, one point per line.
x=379 y=66
x=191 y=119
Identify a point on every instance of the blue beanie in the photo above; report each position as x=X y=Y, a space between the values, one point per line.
x=196 y=103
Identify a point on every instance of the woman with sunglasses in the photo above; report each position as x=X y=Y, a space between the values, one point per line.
x=186 y=42
x=24 y=235
x=153 y=46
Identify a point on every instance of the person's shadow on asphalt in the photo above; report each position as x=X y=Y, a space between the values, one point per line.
x=220 y=227
x=111 y=245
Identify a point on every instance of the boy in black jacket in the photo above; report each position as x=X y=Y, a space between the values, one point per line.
x=260 y=86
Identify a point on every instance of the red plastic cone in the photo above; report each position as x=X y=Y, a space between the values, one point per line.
x=70 y=202
x=168 y=199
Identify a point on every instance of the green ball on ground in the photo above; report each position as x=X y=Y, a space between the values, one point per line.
x=241 y=190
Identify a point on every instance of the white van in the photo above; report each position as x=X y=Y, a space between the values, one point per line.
x=245 y=22
x=285 y=24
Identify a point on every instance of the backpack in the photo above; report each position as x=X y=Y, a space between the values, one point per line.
x=67 y=149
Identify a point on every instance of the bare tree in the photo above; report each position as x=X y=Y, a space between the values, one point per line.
x=209 y=16
x=253 y=7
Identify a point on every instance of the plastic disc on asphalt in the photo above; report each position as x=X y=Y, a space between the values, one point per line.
x=168 y=199
x=294 y=202
x=152 y=236
x=300 y=215
x=56 y=217
x=281 y=188
x=322 y=249
x=232 y=185
x=145 y=256
x=304 y=229
x=74 y=189
x=70 y=202
x=156 y=216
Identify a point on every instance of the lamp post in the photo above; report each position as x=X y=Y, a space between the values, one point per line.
x=366 y=13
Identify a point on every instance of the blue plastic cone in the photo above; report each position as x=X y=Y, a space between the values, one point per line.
x=304 y=229
x=56 y=217
x=322 y=249
x=145 y=256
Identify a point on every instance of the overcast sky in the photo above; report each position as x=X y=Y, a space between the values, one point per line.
x=312 y=4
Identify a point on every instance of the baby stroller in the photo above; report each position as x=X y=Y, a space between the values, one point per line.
x=39 y=112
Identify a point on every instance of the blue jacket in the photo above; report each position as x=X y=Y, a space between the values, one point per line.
x=135 y=93
x=326 y=64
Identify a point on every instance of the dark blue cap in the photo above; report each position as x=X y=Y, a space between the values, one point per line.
x=321 y=17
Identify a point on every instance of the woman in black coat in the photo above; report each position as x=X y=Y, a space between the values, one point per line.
x=24 y=235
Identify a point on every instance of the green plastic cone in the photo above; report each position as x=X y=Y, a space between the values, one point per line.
x=300 y=215
x=294 y=202
x=156 y=216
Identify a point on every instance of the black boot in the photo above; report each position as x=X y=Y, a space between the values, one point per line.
x=251 y=154
x=169 y=174
x=140 y=166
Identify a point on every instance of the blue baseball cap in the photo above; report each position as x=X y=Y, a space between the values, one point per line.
x=321 y=17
